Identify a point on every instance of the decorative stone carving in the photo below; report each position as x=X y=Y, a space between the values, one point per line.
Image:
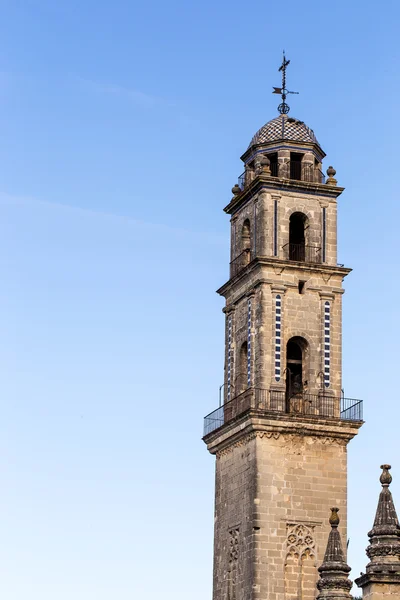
x=233 y=562
x=268 y=434
x=300 y=540
x=244 y=440
x=236 y=190
x=331 y=176
x=300 y=567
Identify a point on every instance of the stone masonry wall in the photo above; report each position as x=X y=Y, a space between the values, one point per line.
x=301 y=478
x=260 y=212
x=381 y=591
x=273 y=492
x=236 y=476
x=302 y=315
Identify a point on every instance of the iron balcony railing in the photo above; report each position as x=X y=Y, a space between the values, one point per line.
x=303 y=253
x=295 y=252
x=240 y=262
x=271 y=401
x=242 y=181
x=293 y=170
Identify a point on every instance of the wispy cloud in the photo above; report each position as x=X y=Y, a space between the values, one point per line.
x=137 y=96
x=30 y=202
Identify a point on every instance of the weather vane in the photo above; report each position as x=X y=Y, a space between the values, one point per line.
x=283 y=107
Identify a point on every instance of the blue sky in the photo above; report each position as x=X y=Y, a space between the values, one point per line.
x=121 y=127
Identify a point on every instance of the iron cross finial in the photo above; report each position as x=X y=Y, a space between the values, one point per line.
x=283 y=107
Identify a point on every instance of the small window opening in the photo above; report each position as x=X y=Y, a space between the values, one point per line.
x=242 y=376
x=273 y=159
x=295 y=165
x=301 y=286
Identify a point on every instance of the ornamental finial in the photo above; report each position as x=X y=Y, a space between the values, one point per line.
x=385 y=478
x=334 y=519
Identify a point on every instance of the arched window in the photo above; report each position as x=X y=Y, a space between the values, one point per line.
x=296 y=351
x=298 y=225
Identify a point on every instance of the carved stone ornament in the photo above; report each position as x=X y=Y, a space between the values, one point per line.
x=233 y=562
x=233 y=545
x=292 y=439
x=383 y=550
x=247 y=438
x=300 y=540
x=236 y=190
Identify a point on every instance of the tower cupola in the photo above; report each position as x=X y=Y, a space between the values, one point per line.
x=291 y=148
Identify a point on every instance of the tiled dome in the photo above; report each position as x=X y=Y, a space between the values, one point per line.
x=285 y=128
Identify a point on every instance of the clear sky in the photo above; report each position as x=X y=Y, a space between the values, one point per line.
x=121 y=127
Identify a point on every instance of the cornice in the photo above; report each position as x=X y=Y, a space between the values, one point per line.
x=272 y=425
x=285 y=265
x=263 y=182
x=379 y=578
x=282 y=145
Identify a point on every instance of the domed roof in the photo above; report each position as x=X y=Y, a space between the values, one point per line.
x=285 y=128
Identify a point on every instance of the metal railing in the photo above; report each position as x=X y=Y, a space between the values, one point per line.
x=240 y=262
x=271 y=401
x=303 y=253
x=351 y=410
x=293 y=170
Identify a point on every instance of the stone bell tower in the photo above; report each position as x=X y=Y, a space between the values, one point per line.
x=281 y=434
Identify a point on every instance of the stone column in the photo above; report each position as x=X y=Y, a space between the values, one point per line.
x=307 y=167
x=284 y=163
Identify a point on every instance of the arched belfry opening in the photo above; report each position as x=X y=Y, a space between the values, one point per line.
x=296 y=355
x=298 y=225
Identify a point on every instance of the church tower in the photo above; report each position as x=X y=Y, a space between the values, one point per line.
x=281 y=433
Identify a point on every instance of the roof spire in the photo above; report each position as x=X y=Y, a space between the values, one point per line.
x=384 y=547
x=386 y=521
x=334 y=583
x=283 y=107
